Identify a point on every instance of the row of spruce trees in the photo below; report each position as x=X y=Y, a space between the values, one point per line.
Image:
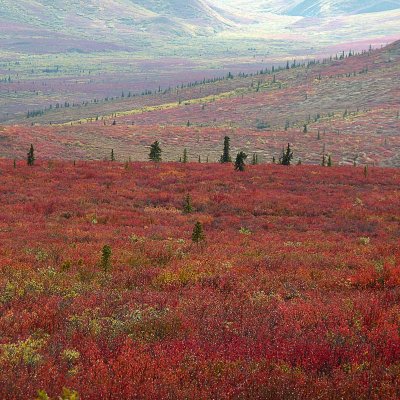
x=239 y=164
x=155 y=155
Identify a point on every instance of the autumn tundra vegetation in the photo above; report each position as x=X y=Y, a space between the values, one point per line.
x=160 y=280
x=237 y=237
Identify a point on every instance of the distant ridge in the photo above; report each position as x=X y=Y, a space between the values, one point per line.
x=315 y=8
x=41 y=26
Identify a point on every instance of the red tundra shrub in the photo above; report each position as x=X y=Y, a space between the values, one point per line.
x=294 y=294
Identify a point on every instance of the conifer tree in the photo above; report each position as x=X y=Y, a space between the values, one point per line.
x=187 y=204
x=240 y=159
x=323 y=163
x=112 y=155
x=31 y=156
x=225 y=157
x=287 y=156
x=155 y=152
x=105 y=262
x=15 y=163
x=330 y=163
x=185 y=157
x=254 y=160
x=198 y=233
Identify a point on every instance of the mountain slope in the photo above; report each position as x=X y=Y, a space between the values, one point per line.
x=131 y=23
x=328 y=8
x=118 y=22
x=314 y=8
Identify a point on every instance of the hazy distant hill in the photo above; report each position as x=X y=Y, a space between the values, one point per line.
x=328 y=8
x=44 y=25
x=315 y=8
x=108 y=23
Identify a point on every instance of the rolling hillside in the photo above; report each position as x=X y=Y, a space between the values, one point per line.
x=348 y=108
x=75 y=52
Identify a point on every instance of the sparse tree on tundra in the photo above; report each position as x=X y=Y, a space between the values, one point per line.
x=187 y=204
x=155 y=152
x=105 y=262
x=287 y=156
x=240 y=161
x=225 y=157
x=31 y=156
x=198 y=233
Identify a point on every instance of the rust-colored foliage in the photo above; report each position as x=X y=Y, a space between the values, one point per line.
x=294 y=295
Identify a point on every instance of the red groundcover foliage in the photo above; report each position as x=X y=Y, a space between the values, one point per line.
x=293 y=294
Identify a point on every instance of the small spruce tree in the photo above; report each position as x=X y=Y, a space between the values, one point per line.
x=187 y=204
x=185 y=156
x=240 y=161
x=105 y=262
x=225 y=157
x=198 y=233
x=112 y=155
x=155 y=152
x=31 y=156
x=287 y=156
x=330 y=163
